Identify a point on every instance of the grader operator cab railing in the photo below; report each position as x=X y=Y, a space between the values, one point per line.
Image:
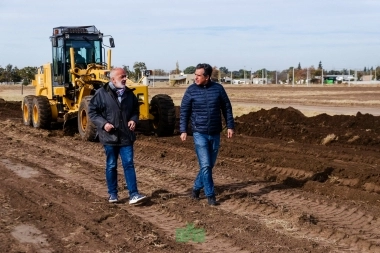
x=64 y=88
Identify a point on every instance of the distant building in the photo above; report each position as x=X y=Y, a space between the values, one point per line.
x=259 y=80
x=366 y=78
x=169 y=80
x=226 y=79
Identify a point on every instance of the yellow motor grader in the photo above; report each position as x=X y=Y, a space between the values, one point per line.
x=64 y=88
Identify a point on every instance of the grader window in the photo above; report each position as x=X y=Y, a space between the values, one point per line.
x=58 y=64
x=86 y=52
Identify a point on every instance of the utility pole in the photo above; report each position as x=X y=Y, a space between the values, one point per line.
x=244 y=75
x=153 y=77
x=293 y=78
x=322 y=77
x=276 y=76
x=356 y=76
x=349 y=79
x=375 y=74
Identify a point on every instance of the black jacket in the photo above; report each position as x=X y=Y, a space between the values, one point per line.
x=105 y=108
x=204 y=105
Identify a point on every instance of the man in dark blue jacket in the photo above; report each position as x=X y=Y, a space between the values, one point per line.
x=204 y=103
x=114 y=110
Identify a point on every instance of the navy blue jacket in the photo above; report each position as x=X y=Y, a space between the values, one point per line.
x=104 y=107
x=204 y=105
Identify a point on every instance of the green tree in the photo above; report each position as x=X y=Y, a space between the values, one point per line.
x=131 y=75
x=15 y=75
x=7 y=74
x=27 y=74
x=224 y=70
x=235 y=74
x=138 y=67
x=241 y=73
x=189 y=70
x=2 y=71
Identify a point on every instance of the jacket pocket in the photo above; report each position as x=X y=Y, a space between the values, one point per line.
x=107 y=137
x=132 y=136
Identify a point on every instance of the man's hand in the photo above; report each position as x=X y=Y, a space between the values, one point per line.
x=183 y=136
x=131 y=125
x=230 y=133
x=108 y=127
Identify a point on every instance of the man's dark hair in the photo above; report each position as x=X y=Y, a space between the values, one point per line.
x=207 y=68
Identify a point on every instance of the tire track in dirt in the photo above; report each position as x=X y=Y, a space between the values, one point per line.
x=176 y=185
x=261 y=211
x=335 y=226
x=332 y=225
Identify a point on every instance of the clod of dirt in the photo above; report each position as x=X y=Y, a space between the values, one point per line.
x=328 y=139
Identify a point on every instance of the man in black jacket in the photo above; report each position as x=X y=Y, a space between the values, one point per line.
x=204 y=102
x=114 y=110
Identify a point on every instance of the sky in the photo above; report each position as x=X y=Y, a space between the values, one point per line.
x=236 y=34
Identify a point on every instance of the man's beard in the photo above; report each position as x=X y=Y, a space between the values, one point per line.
x=119 y=85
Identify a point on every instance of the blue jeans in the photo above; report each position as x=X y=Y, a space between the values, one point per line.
x=126 y=155
x=206 y=147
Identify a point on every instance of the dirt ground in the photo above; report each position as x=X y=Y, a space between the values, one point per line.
x=285 y=182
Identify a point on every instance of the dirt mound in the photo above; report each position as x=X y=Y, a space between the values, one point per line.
x=10 y=109
x=285 y=124
x=291 y=125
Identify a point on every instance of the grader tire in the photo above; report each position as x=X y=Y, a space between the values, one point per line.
x=163 y=110
x=27 y=110
x=86 y=128
x=41 y=115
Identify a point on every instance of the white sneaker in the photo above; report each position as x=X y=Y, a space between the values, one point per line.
x=136 y=199
x=113 y=198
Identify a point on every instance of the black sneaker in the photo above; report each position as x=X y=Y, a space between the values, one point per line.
x=195 y=194
x=212 y=201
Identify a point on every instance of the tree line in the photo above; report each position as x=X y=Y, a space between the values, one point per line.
x=10 y=74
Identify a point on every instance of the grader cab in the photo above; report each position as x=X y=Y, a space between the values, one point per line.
x=80 y=66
